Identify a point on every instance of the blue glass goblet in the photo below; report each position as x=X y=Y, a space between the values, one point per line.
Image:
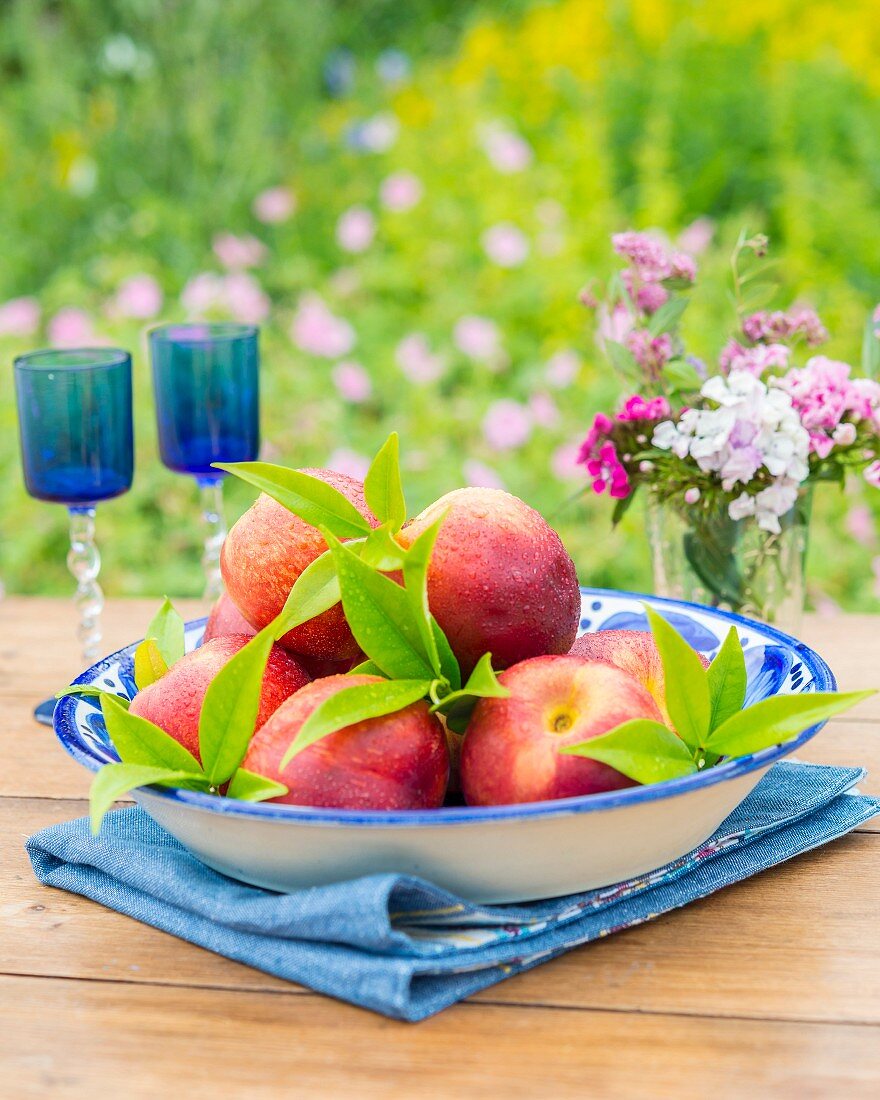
x=77 y=448
x=206 y=384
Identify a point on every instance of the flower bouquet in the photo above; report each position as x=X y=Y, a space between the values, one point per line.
x=728 y=457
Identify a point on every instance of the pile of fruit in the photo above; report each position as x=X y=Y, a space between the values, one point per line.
x=352 y=664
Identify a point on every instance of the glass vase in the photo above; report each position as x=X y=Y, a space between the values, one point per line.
x=701 y=554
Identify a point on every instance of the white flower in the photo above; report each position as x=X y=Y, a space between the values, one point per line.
x=743 y=506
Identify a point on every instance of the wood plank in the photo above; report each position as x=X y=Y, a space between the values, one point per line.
x=139 y=1040
x=851 y=646
x=780 y=945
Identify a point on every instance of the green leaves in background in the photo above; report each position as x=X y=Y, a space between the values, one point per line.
x=687 y=687
x=383 y=488
x=313 y=500
x=666 y=318
x=645 y=751
x=355 y=704
x=230 y=707
x=681 y=377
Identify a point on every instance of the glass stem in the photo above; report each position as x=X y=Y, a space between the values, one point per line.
x=84 y=562
x=214 y=526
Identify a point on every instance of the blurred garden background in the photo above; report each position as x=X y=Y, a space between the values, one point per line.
x=408 y=196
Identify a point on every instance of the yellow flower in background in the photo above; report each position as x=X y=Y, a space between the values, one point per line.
x=414 y=108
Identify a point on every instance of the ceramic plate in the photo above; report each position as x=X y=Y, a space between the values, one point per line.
x=487 y=854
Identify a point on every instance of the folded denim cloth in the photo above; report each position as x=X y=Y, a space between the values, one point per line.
x=401 y=946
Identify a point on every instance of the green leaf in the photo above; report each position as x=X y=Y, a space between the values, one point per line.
x=383 y=488
x=316 y=590
x=623 y=361
x=645 y=751
x=415 y=579
x=229 y=709
x=352 y=705
x=168 y=631
x=775 y=720
x=381 y=550
x=687 y=686
x=250 y=787
x=457 y=706
x=871 y=348
x=139 y=741
x=149 y=664
x=727 y=680
x=380 y=617
x=667 y=316
x=682 y=376
x=115 y=780
x=366 y=668
x=313 y=500
x=449 y=665
x=89 y=691
x=621 y=507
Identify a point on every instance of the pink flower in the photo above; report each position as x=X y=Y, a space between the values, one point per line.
x=480 y=476
x=245 y=298
x=823 y=393
x=872 y=475
x=318 y=331
x=607 y=471
x=651 y=296
x=352 y=382
x=239 y=252
x=696 y=237
x=799 y=321
x=564 y=461
x=71 y=328
x=875 y=316
x=543 y=409
x=477 y=337
x=683 y=267
x=19 y=317
x=505 y=245
x=844 y=435
x=561 y=369
x=507 y=425
x=415 y=358
x=756 y=360
x=860 y=524
x=345 y=461
x=400 y=191
x=645 y=253
x=139 y=297
x=692 y=495
x=356 y=229
x=202 y=293
x=274 y=205
x=651 y=353
x=614 y=325
x=506 y=150
x=638 y=408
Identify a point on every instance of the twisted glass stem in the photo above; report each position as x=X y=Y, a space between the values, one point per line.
x=214 y=526
x=84 y=562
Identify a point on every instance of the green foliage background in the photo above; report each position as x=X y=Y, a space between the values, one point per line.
x=650 y=113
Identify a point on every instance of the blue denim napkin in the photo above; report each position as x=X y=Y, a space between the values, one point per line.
x=401 y=946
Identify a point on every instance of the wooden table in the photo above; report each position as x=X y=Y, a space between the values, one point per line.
x=770 y=988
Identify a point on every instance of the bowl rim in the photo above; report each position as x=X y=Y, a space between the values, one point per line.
x=444 y=816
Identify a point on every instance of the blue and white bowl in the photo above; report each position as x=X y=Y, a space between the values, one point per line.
x=491 y=853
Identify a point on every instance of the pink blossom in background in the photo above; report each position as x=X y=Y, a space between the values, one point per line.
x=379 y=133
x=544 y=410
x=238 y=252
x=317 y=330
x=692 y=495
x=345 y=281
x=245 y=298
x=875 y=317
x=696 y=237
x=414 y=357
x=477 y=337
x=875 y=565
x=798 y=321
x=19 y=317
x=506 y=150
x=614 y=324
x=356 y=229
x=549 y=212
x=683 y=267
x=550 y=242
x=139 y=297
x=480 y=476
x=71 y=328
x=872 y=475
x=860 y=524
x=345 y=461
x=644 y=252
x=564 y=462
x=755 y=360
x=561 y=369
x=202 y=293
x=507 y=425
x=651 y=353
x=274 y=205
x=505 y=245
x=352 y=382
x=400 y=191
x=651 y=296
x=825 y=606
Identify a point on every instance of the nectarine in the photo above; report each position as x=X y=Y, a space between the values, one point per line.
x=225 y=618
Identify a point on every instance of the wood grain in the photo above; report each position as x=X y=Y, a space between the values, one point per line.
x=136 y=1040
